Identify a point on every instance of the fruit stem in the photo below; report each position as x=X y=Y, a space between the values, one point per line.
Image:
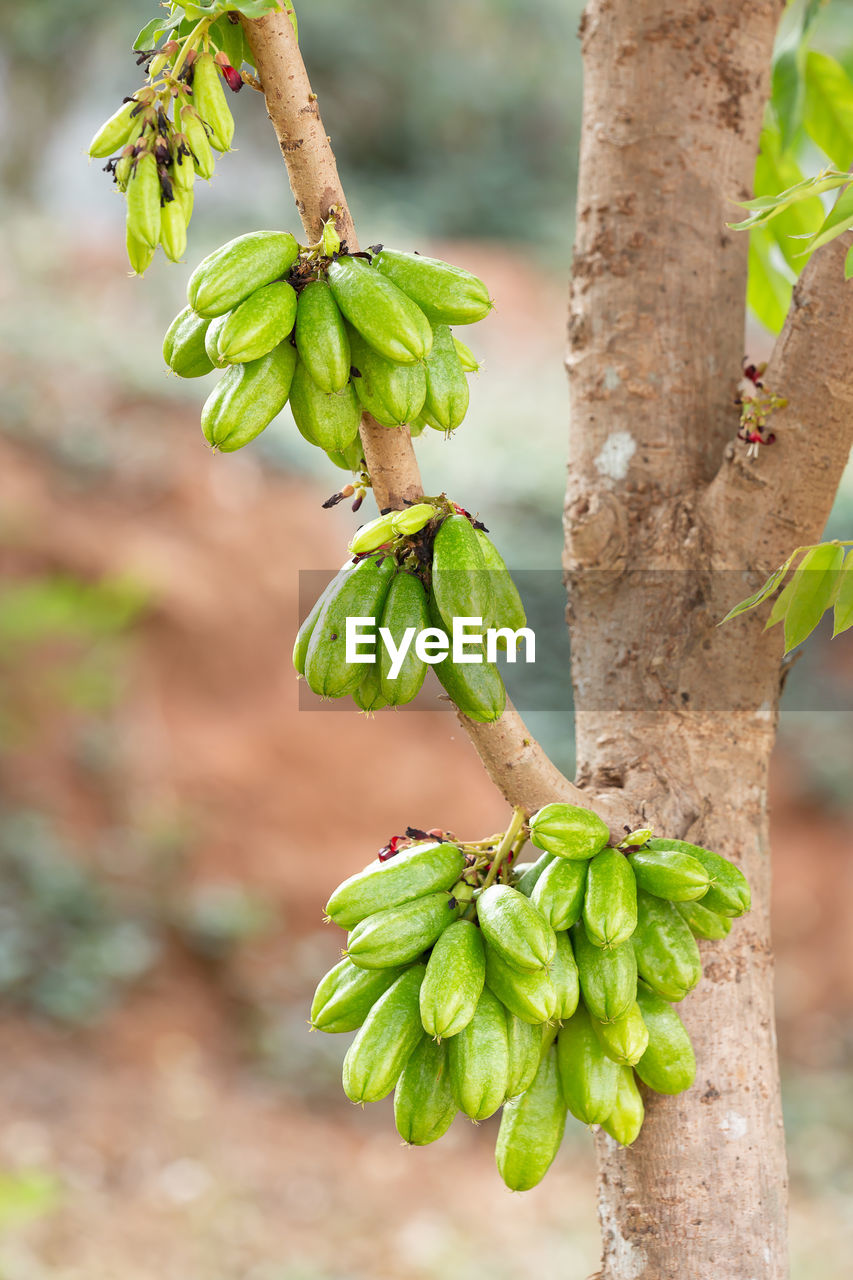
x=519 y=817
x=192 y=39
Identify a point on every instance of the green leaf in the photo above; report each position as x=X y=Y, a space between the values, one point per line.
x=151 y=33
x=257 y=8
x=774 y=172
x=788 y=90
x=829 y=108
x=780 y=606
x=767 y=207
x=837 y=221
x=228 y=37
x=759 y=596
x=843 y=618
x=768 y=291
x=813 y=588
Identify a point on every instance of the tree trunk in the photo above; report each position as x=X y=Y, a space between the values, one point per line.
x=670 y=713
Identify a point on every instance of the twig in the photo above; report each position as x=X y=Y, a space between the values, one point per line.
x=512 y=757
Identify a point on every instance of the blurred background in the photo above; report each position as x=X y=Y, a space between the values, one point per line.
x=170 y=824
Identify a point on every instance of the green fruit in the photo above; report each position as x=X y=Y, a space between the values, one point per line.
x=400 y=934
x=210 y=102
x=668 y=1064
x=625 y=1039
x=666 y=951
x=139 y=254
x=704 y=923
x=231 y=273
x=405 y=607
x=183 y=345
x=530 y=873
x=198 y=143
x=211 y=339
x=392 y=1030
x=412 y=519
x=424 y=1105
x=514 y=928
x=260 y=323
x=507 y=609
x=368 y=695
x=529 y=996
x=361 y=594
x=456 y=971
x=143 y=201
x=391 y=393
x=587 y=1074
x=525 y=1050
x=330 y=421
x=460 y=583
x=568 y=831
x=183 y=170
x=564 y=977
x=116 y=131
x=610 y=900
x=247 y=398
x=306 y=630
x=413 y=873
x=349 y=459
x=345 y=996
x=477 y=690
x=729 y=893
x=389 y=321
x=446 y=385
x=626 y=1119
x=321 y=338
x=479 y=1060
x=173 y=229
x=669 y=873
x=558 y=892
x=373 y=535
x=446 y=294
x=532 y=1128
x=467 y=359
x=608 y=979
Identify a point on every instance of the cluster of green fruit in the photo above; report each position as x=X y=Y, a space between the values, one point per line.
x=543 y=989
x=162 y=136
x=334 y=334
x=413 y=571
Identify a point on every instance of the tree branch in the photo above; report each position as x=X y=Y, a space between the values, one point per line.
x=784 y=497
x=512 y=757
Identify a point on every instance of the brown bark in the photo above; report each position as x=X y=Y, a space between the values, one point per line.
x=676 y=713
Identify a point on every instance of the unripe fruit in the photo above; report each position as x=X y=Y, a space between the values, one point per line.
x=668 y=1064
x=453 y=985
x=388 y=320
x=321 y=337
x=514 y=928
x=588 y=1075
x=610 y=899
x=479 y=1060
x=529 y=996
x=568 y=831
x=669 y=873
x=412 y=873
x=210 y=102
x=625 y=1039
x=626 y=1119
x=424 y=1105
x=665 y=949
x=392 y=1030
x=183 y=345
x=115 y=132
x=143 y=201
x=400 y=934
x=345 y=996
x=558 y=892
x=608 y=979
x=532 y=1128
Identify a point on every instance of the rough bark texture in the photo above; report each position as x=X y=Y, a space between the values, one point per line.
x=677 y=715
